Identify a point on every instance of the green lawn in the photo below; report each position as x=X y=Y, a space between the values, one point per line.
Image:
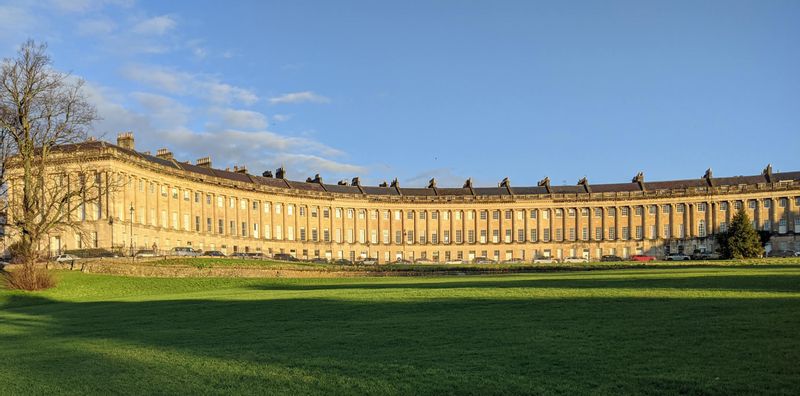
x=721 y=330
x=209 y=262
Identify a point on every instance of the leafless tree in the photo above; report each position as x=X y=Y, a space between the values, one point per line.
x=43 y=114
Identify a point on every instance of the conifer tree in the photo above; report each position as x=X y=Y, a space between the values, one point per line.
x=741 y=240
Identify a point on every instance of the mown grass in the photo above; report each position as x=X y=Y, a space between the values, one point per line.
x=721 y=330
x=208 y=262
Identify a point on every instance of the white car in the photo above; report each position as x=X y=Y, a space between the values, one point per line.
x=544 y=260
x=576 y=260
x=184 y=251
x=145 y=253
x=677 y=257
x=66 y=258
x=454 y=262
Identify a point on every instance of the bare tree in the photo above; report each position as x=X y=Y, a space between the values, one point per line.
x=43 y=114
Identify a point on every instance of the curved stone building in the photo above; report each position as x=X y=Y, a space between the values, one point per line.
x=167 y=203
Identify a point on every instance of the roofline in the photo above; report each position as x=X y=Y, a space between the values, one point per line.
x=705 y=182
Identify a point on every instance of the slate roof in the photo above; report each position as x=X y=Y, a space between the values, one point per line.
x=443 y=191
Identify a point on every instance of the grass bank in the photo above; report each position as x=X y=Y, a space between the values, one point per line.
x=720 y=330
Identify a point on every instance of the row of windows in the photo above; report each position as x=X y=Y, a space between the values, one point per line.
x=445 y=215
x=244 y=230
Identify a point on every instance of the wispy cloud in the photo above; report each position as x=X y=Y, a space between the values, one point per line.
x=16 y=20
x=241 y=119
x=299 y=97
x=95 y=27
x=155 y=26
x=282 y=117
x=160 y=121
x=183 y=83
x=82 y=6
x=164 y=111
x=313 y=164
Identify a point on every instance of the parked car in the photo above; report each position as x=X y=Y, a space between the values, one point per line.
x=256 y=256
x=677 y=257
x=239 y=255
x=319 y=260
x=574 y=259
x=483 y=260
x=643 y=258
x=66 y=258
x=781 y=253
x=285 y=257
x=423 y=261
x=545 y=260
x=184 y=252
x=401 y=261
x=343 y=262
x=514 y=261
x=455 y=262
x=610 y=257
x=368 y=261
x=145 y=254
x=213 y=253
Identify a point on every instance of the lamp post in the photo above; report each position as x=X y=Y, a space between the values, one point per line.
x=111 y=225
x=131 y=236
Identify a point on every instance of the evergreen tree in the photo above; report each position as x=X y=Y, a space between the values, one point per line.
x=741 y=240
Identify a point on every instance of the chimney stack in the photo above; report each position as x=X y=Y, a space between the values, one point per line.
x=242 y=169
x=280 y=173
x=164 y=154
x=125 y=140
x=205 y=162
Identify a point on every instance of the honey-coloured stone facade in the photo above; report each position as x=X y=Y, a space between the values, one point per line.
x=164 y=203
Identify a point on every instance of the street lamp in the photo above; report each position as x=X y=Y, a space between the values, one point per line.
x=111 y=224
x=131 y=236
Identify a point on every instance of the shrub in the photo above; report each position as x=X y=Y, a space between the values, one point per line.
x=28 y=277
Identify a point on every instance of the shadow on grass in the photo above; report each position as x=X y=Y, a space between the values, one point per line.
x=788 y=283
x=453 y=346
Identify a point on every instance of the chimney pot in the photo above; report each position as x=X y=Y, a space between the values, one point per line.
x=164 y=154
x=125 y=140
x=204 y=162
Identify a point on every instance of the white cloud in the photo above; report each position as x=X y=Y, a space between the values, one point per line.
x=82 y=6
x=165 y=111
x=199 y=52
x=313 y=164
x=155 y=26
x=114 y=116
x=241 y=119
x=15 y=19
x=159 y=78
x=96 y=27
x=161 y=121
x=299 y=97
x=224 y=93
x=182 y=83
x=282 y=117
x=259 y=150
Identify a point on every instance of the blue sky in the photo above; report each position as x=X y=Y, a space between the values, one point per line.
x=445 y=89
